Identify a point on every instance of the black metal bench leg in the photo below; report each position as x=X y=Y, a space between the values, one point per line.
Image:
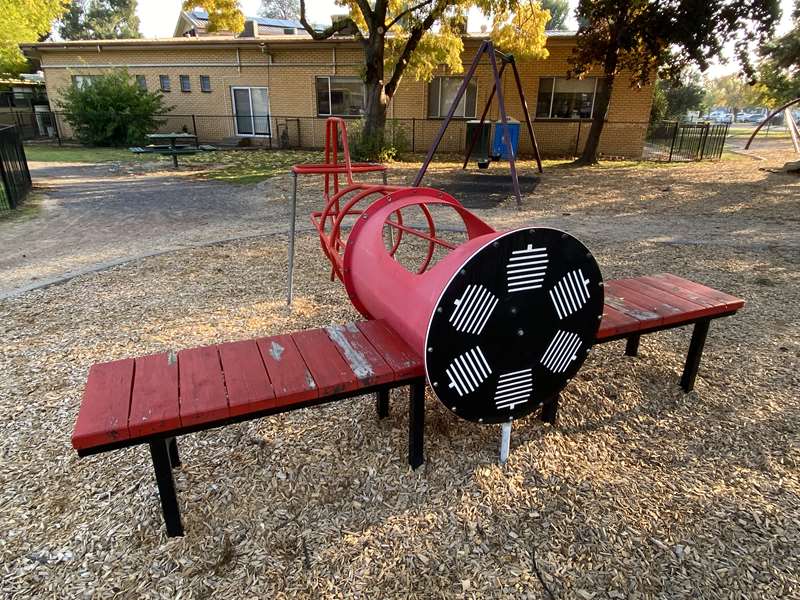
x=550 y=411
x=174 y=458
x=159 y=451
x=632 y=346
x=695 y=354
x=416 y=424
x=382 y=403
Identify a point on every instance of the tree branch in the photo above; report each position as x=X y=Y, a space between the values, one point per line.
x=330 y=31
x=411 y=45
x=406 y=12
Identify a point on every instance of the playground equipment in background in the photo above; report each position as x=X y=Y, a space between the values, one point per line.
x=332 y=169
x=503 y=123
x=794 y=131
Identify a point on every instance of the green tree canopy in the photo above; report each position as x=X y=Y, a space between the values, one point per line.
x=652 y=37
x=111 y=110
x=100 y=20
x=673 y=99
x=559 y=11
x=22 y=22
x=279 y=9
x=779 y=73
x=733 y=92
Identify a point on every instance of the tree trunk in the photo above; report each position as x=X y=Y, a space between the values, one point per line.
x=377 y=100
x=589 y=155
x=601 y=102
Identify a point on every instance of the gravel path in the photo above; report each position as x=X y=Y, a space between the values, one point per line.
x=640 y=492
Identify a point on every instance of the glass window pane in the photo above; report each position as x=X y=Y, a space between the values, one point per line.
x=164 y=81
x=260 y=110
x=323 y=104
x=241 y=108
x=205 y=83
x=572 y=98
x=433 y=97
x=544 y=97
x=347 y=96
x=450 y=87
x=186 y=85
x=141 y=81
x=472 y=99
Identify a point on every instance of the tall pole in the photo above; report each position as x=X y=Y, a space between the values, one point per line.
x=527 y=114
x=451 y=112
x=504 y=118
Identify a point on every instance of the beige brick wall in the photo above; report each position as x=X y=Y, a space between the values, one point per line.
x=289 y=73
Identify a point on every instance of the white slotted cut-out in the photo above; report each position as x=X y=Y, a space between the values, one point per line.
x=526 y=269
x=468 y=371
x=561 y=351
x=515 y=387
x=570 y=294
x=473 y=309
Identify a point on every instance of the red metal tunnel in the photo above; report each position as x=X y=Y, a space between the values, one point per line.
x=503 y=320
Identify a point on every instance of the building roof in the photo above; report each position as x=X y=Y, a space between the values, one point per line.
x=35 y=49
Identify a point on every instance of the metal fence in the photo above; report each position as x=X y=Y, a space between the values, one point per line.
x=676 y=141
x=14 y=174
x=557 y=138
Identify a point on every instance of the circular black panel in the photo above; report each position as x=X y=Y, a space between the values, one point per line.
x=514 y=325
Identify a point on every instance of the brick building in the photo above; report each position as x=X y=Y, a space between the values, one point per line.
x=278 y=89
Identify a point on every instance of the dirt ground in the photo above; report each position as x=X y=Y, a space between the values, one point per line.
x=639 y=492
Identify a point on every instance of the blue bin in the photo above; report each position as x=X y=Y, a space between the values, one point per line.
x=499 y=149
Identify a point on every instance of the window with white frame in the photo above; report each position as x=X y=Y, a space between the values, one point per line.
x=442 y=92
x=141 y=81
x=163 y=81
x=81 y=81
x=186 y=83
x=205 y=83
x=251 y=111
x=562 y=98
x=340 y=96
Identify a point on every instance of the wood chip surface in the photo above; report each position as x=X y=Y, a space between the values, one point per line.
x=640 y=492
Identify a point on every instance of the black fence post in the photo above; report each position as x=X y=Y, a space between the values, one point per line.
x=414 y=134
x=10 y=198
x=672 y=146
x=194 y=131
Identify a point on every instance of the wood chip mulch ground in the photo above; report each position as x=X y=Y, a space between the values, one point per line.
x=640 y=492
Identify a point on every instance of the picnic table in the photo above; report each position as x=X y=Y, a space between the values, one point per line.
x=174 y=150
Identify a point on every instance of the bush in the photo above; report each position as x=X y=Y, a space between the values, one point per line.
x=112 y=110
x=378 y=148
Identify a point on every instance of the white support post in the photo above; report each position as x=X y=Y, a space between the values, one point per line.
x=505 y=441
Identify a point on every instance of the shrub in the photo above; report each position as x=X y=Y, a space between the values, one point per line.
x=112 y=110
x=379 y=148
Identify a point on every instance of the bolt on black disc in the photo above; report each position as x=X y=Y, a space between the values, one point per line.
x=514 y=325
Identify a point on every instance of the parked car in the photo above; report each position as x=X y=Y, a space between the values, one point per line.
x=720 y=116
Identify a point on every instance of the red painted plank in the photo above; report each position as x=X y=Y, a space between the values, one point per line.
x=690 y=310
x=202 y=389
x=103 y=416
x=732 y=303
x=154 y=403
x=398 y=355
x=617 y=300
x=661 y=284
x=249 y=387
x=290 y=377
x=669 y=310
x=616 y=323
x=363 y=359
x=331 y=373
